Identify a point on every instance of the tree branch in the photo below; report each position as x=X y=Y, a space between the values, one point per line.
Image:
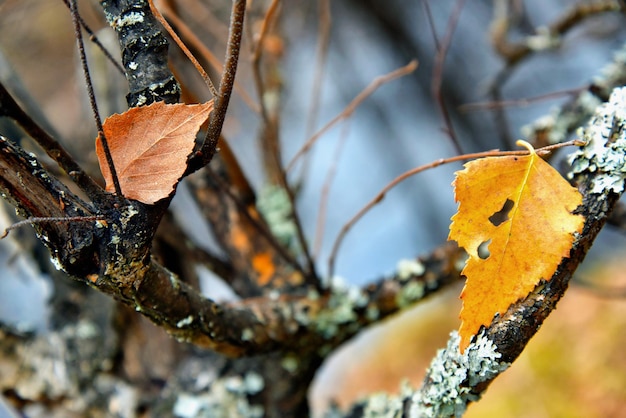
x=144 y=52
x=454 y=380
x=227 y=80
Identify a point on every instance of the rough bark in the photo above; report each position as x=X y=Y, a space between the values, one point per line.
x=253 y=357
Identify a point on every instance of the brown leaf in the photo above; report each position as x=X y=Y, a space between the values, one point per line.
x=149 y=146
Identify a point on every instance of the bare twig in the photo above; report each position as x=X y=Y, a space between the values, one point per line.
x=157 y=14
x=39 y=220
x=549 y=37
x=437 y=79
x=92 y=98
x=272 y=147
x=257 y=50
x=93 y=38
x=323 y=205
x=10 y=108
x=349 y=110
x=270 y=15
x=431 y=24
x=192 y=39
x=470 y=107
x=321 y=55
x=227 y=80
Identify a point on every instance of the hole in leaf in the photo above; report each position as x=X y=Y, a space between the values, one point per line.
x=502 y=215
x=483 y=250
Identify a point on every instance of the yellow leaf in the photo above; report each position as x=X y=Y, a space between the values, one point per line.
x=515 y=221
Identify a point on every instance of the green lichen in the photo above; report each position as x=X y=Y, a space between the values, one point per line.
x=290 y=363
x=409 y=294
x=275 y=206
x=340 y=309
x=226 y=398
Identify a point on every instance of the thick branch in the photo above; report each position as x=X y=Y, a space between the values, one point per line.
x=37 y=193
x=144 y=52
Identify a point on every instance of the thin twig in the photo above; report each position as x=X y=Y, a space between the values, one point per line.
x=437 y=79
x=431 y=24
x=514 y=52
x=10 y=108
x=321 y=56
x=93 y=38
x=323 y=206
x=92 y=98
x=379 y=197
x=192 y=39
x=256 y=58
x=270 y=15
x=272 y=146
x=39 y=220
x=227 y=80
x=349 y=110
x=157 y=14
x=470 y=107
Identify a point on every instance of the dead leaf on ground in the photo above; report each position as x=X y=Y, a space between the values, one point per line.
x=149 y=146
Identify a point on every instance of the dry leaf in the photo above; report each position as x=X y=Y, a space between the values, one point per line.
x=515 y=221
x=150 y=146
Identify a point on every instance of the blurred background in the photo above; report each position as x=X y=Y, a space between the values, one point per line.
x=575 y=367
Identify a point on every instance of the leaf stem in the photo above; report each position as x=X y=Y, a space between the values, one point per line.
x=522 y=143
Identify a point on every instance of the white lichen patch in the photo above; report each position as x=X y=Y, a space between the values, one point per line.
x=127 y=214
x=563 y=120
x=613 y=73
x=247 y=334
x=452 y=376
x=129 y=19
x=227 y=397
x=141 y=100
x=56 y=263
x=543 y=40
x=407 y=268
x=185 y=322
x=605 y=151
x=253 y=383
x=381 y=405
